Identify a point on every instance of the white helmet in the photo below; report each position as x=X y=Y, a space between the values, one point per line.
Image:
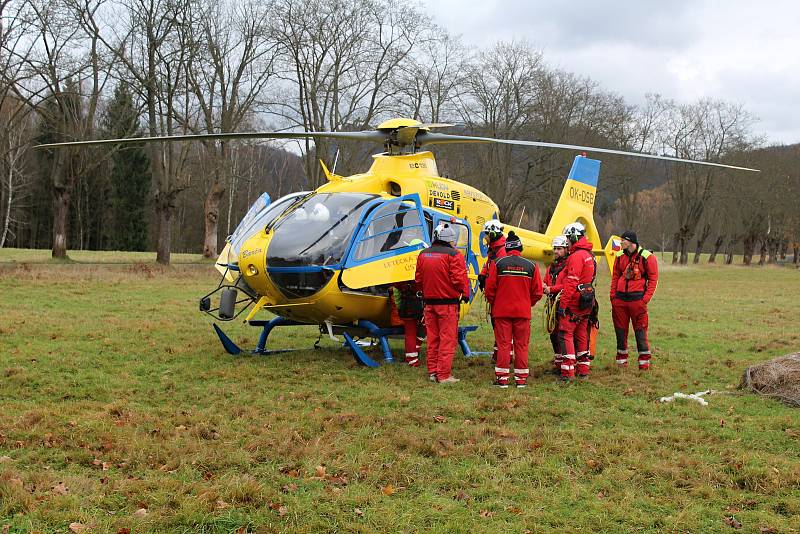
x=574 y=231
x=560 y=241
x=443 y=232
x=493 y=227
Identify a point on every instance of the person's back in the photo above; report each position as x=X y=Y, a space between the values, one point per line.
x=441 y=276
x=513 y=286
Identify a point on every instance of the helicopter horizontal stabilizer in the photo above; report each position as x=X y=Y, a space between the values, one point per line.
x=612 y=248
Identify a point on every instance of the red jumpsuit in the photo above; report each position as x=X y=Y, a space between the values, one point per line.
x=633 y=282
x=513 y=286
x=573 y=321
x=497 y=250
x=407 y=311
x=441 y=275
x=554 y=277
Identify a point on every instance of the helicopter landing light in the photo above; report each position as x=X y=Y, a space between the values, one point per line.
x=252 y=270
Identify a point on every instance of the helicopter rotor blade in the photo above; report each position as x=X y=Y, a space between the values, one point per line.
x=435 y=125
x=370 y=135
x=427 y=138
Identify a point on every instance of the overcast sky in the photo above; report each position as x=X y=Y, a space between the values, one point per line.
x=740 y=51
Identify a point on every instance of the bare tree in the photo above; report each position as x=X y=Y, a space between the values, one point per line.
x=707 y=130
x=432 y=79
x=148 y=38
x=66 y=81
x=230 y=66
x=15 y=114
x=339 y=59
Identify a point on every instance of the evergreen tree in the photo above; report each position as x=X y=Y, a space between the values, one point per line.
x=130 y=175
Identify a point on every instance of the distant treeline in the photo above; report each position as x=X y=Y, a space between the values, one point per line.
x=90 y=69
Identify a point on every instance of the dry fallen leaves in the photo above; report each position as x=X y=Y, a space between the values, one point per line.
x=767 y=530
x=439 y=418
x=124 y=530
x=733 y=522
x=77 y=527
x=461 y=496
x=388 y=490
x=486 y=513
x=60 y=489
x=141 y=512
x=221 y=505
x=4 y=459
x=320 y=471
x=358 y=512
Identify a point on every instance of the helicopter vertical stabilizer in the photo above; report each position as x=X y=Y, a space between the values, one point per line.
x=576 y=202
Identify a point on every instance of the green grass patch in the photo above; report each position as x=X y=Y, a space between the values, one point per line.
x=36 y=256
x=119 y=409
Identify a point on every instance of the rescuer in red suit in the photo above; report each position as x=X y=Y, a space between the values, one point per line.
x=512 y=288
x=407 y=311
x=441 y=275
x=577 y=299
x=633 y=283
x=493 y=230
x=553 y=284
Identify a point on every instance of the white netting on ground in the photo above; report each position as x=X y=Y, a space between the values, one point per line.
x=778 y=378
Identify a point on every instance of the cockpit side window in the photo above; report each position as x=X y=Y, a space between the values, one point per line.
x=394 y=226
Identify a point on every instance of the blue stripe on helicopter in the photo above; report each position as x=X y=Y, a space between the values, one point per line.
x=305 y=269
x=585 y=170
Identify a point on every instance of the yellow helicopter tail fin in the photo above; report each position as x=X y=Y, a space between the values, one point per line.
x=577 y=200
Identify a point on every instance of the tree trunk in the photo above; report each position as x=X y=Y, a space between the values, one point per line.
x=7 y=208
x=675 y=250
x=211 y=211
x=749 y=250
x=762 y=252
x=717 y=245
x=164 y=245
x=60 y=218
x=773 y=250
x=684 y=252
x=796 y=251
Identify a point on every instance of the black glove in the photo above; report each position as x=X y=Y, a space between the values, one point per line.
x=482 y=281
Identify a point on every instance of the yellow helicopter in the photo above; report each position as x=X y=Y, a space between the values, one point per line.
x=326 y=257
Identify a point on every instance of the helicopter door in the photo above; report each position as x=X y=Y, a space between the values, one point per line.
x=387 y=243
x=464 y=245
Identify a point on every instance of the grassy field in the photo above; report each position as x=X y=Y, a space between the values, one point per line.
x=119 y=410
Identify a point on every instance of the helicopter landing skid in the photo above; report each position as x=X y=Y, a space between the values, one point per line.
x=372 y=330
x=261 y=348
x=462 y=342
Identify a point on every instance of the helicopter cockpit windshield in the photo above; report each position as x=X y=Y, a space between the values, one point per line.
x=311 y=238
x=260 y=214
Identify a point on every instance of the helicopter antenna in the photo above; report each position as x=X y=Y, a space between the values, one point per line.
x=335 y=160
